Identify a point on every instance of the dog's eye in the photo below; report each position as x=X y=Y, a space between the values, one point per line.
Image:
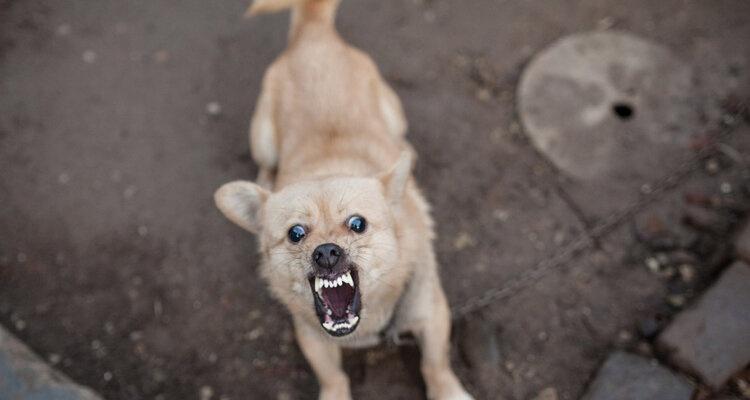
x=296 y=233
x=356 y=223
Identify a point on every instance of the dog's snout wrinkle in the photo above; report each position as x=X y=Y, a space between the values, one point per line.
x=327 y=255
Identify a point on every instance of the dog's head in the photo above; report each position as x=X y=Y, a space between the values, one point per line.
x=336 y=236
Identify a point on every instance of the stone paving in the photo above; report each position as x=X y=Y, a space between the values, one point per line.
x=629 y=377
x=712 y=338
x=24 y=376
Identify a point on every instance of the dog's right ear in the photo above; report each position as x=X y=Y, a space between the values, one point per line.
x=242 y=202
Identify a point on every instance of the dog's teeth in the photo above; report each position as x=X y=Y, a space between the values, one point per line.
x=329 y=312
x=339 y=281
x=318 y=284
x=348 y=279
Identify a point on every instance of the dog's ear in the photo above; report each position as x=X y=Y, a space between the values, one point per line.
x=241 y=202
x=395 y=179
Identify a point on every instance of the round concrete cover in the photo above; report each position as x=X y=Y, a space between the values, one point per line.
x=604 y=105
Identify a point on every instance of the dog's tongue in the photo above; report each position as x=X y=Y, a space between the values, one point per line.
x=338 y=299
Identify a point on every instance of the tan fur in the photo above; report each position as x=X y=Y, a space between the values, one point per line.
x=328 y=136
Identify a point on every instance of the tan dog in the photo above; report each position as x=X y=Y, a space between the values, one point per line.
x=345 y=235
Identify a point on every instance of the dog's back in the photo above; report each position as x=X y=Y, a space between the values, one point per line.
x=322 y=96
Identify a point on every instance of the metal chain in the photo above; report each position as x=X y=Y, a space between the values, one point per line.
x=586 y=240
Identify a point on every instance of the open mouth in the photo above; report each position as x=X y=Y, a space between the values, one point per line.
x=337 y=301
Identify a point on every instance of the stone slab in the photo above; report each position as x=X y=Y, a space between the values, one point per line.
x=712 y=338
x=24 y=376
x=628 y=377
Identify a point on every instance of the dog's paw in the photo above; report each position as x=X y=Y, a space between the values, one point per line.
x=457 y=394
x=335 y=393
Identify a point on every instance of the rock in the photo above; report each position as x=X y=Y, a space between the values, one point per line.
x=711 y=339
x=742 y=244
x=547 y=394
x=23 y=375
x=629 y=377
x=589 y=96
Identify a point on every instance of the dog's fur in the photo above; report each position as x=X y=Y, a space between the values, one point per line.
x=328 y=136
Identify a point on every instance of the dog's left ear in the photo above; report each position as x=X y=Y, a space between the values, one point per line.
x=242 y=202
x=395 y=179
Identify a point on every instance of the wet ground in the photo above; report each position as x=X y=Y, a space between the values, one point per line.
x=116 y=266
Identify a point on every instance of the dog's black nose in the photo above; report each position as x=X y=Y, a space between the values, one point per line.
x=327 y=255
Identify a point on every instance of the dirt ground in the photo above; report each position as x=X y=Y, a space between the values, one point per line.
x=116 y=266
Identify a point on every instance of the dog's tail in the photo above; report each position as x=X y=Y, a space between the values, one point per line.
x=303 y=11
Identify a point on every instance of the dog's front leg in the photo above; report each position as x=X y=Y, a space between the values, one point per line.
x=324 y=357
x=433 y=334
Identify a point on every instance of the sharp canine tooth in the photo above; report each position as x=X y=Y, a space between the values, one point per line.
x=318 y=284
x=348 y=279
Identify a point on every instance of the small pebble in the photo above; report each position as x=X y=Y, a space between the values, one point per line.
x=63 y=30
x=89 y=56
x=501 y=215
x=547 y=394
x=107 y=376
x=676 y=300
x=206 y=392
x=21 y=258
x=54 y=358
x=687 y=272
x=652 y=264
x=213 y=108
x=63 y=178
x=483 y=95
x=646 y=188
x=142 y=230
x=625 y=336
x=463 y=240
x=129 y=191
x=726 y=187
x=254 y=334
x=20 y=325
x=712 y=166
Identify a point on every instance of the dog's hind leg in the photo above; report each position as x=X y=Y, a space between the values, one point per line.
x=324 y=357
x=391 y=110
x=263 y=135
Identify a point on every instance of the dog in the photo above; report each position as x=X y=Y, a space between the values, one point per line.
x=344 y=233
